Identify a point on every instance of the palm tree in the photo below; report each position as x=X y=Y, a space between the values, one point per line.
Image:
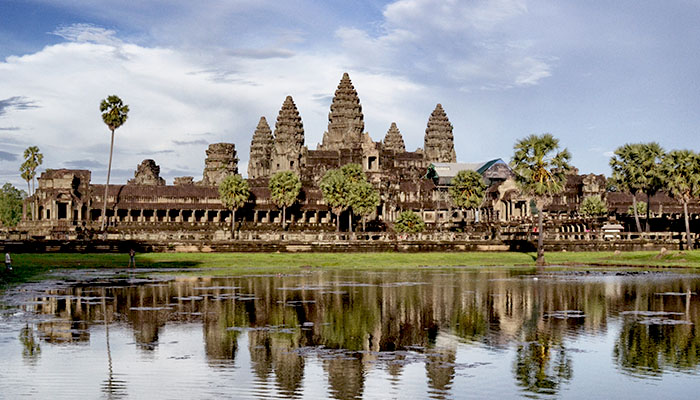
x=284 y=187
x=650 y=164
x=32 y=160
x=540 y=171
x=628 y=175
x=234 y=193
x=114 y=114
x=467 y=190
x=681 y=173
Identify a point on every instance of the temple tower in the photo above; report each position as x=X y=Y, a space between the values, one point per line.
x=148 y=174
x=345 y=121
x=393 y=139
x=439 y=141
x=289 y=139
x=260 y=151
x=221 y=162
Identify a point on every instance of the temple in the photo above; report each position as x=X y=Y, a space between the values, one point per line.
x=69 y=204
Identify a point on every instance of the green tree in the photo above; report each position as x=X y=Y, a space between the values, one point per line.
x=114 y=114
x=540 y=171
x=592 y=206
x=467 y=190
x=636 y=168
x=233 y=192
x=641 y=208
x=338 y=187
x=365 y=201
x=681 y=174
x=284 y=191
x=11 y=205
x=409 y=222
x=32 y=160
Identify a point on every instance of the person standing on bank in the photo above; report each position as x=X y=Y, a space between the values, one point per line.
x=8 y=262
x=132 y=258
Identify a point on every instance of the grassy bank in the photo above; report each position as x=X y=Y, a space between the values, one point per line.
x=33 y=266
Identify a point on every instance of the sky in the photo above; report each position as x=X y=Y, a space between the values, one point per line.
x=596 y=74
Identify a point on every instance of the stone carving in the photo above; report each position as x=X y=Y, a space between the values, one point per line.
x=439 y=142
x=393 y=139
x=147 y=173
x=345 y=121
x=183 y=181
x=260 y=151
x=289 y=139
x=221 y=162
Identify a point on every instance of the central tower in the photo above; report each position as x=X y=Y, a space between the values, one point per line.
x=345 y=121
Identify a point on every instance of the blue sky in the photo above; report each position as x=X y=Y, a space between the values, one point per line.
x=596 y=74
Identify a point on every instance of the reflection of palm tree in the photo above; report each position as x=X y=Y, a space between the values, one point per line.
x=541 y=369
x=440 y=368
x=112 y=387
x=31 y=348
x=346 y=377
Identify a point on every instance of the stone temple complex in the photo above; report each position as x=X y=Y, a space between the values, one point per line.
x=68 y=202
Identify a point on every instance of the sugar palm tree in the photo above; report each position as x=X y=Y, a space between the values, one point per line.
x=114 y=114
x=540 y=170
x=284 y=187
x=681 y=173
x=650 y=163
x=233 y=192
x=32 y=160
x=627 y=174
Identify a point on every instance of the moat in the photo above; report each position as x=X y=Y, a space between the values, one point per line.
x=429 y=333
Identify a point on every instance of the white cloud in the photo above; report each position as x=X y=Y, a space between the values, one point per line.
x=467 y=43
x=177 y=101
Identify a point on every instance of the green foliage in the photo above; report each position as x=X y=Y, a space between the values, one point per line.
x=342 y=188
x=284 y=188
x=641 y=208
x=233 y=192
x=680 y=171
x=409 y=222
x=540 y=168
x=592 y=206
x=467 y=190
x=11 y=205
x=114 y=112
x=636 y=167
x=365 y=199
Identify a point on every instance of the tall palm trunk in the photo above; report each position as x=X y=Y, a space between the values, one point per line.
x=284 y=218
x=648 y=209
x=349 y=220
x=540 y=237
x=233 y=223
x=337 y=221
x=636 y=215
x=687 y=226
x=109 y=171
x=31 y=204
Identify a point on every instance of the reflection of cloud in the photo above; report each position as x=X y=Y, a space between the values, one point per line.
x=5 y=156
x=84 y=164
x=16 y=103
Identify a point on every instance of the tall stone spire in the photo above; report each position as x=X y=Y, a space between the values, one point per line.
x=289 y=138
x=345 y=121
x=260 y=151
x=439 y=142
x=393 y=139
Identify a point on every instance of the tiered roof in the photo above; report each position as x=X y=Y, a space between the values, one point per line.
x=393 y=139
x=439 y=141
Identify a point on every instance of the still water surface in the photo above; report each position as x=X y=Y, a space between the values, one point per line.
x=338 y=334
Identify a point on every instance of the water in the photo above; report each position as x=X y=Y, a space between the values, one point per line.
x=373 y=335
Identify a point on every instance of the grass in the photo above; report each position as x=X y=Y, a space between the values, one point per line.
x=35 y=266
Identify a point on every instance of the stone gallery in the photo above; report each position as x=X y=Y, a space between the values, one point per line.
x=66 y=201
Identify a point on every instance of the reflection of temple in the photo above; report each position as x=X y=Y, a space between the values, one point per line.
x=354 y=323
x=68 y=202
